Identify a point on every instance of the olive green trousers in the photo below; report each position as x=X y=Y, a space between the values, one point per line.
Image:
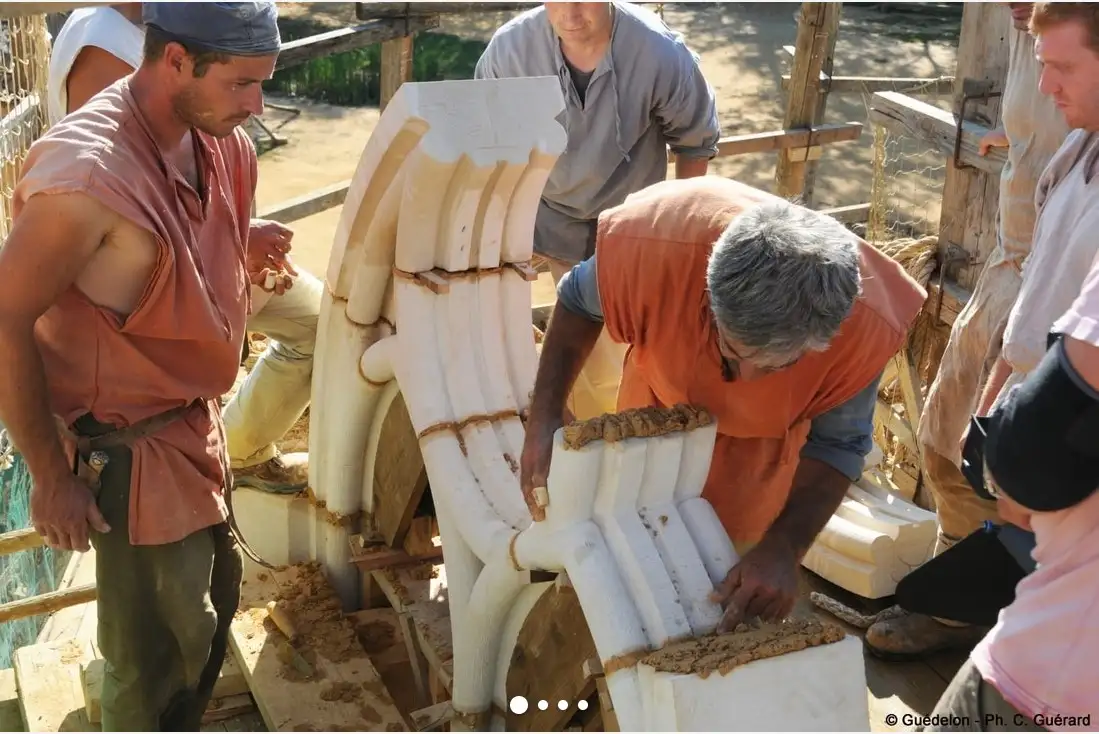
x=164 y=611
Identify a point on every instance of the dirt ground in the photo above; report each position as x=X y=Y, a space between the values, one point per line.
x=740 y=46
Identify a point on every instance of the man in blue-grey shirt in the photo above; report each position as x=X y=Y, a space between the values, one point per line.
x=632 y=88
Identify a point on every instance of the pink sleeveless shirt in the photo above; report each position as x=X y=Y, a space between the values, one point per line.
x=182 y=342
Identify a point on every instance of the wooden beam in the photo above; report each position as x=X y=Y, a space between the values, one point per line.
x=306 y=49
x=378 y=557
x=850 y=214
x=307 y=205
x=20 y=540
x=777 y=140
x=968 y=219
x=954 y=299
x=331 y=196
x=22 y=10
x=909 y=116
x=396 y=67
x=818 y=25
x=363 y=11
x=47 y=603
x=935 y=86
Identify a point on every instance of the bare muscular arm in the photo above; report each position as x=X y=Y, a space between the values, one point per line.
x=93 y=71
x=53 y=239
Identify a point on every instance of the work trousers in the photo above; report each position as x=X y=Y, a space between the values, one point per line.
x=164 y=611
x=596 y=389
x=277 y=390
x=972 y=349
x=961 y=512
x=971 y=704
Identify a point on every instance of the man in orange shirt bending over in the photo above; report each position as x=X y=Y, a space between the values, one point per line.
x=124 y=294
x=775 y=319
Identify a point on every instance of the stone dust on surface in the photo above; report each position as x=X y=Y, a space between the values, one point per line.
x=376 y=636
x=318 y=616
x=749 y=642
x=635 y=423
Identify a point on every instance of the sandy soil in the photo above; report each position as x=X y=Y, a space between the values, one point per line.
x=740 y=46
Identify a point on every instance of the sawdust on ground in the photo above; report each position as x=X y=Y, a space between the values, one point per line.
x=723 y=653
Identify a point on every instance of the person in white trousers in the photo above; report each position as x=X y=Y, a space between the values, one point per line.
x=98 y=46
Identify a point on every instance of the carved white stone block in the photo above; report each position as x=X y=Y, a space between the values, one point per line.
x=428 y=293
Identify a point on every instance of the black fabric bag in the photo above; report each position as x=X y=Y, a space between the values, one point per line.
x=972 y=581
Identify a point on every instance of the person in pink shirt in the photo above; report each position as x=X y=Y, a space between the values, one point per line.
x=1036 y=668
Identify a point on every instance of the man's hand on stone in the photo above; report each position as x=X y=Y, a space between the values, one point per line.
x=268 y=252
x=62 y=509
x=992 y=139
x=534 y=464
x=763 y=584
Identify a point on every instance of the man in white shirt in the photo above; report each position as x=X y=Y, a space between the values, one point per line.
x=1032 y=129
x=95 y=48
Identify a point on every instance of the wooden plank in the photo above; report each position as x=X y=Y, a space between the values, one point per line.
x=229 y=688
x=548 y=660
x=50 y=694
x=402 y=10
x=421 y=593
x=343 y=690
x=400 y=478
x=379 y=632
x=22 y=10
x=799 y=137
x=334 y=195
x=307 y=205
x=20 y=540
x=303 y=50
x=893 y=689
x=396 y=67
x=934 y=86
x=954 y=300
x=376 y=557
x=221 y=709
x=906 y=115
x=46 y=603
x=433 y=716
x=818 y=24
x=885 y=415
x=11 y=718
x=850 y=214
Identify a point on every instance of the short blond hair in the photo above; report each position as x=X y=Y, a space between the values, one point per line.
x=1046 y=15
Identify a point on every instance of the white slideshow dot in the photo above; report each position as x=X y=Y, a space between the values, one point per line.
x=563 y=705
x=543 y=705
x=582 y=705
x=518 y=705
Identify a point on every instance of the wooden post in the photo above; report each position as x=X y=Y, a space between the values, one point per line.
x=970 y=205
x=971 y=198
x=396 y=67
x=816 y=42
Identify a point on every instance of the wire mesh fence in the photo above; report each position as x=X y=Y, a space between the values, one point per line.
x=905 y=203
x=24 y=65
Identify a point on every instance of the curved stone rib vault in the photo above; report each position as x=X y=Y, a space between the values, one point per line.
x=428 y=287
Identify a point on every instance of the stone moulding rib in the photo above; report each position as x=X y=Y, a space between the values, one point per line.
x=428 y=294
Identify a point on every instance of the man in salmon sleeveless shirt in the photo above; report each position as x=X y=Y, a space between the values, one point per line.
x=123 y=301
x=774 y=318
x=97 y=47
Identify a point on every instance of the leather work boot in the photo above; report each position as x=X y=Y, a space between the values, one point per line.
x=910 y=636
x=284 y=474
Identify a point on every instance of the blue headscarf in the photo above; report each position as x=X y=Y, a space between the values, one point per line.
x=237 y=29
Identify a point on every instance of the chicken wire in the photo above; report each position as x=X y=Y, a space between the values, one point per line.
x=24 y=65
